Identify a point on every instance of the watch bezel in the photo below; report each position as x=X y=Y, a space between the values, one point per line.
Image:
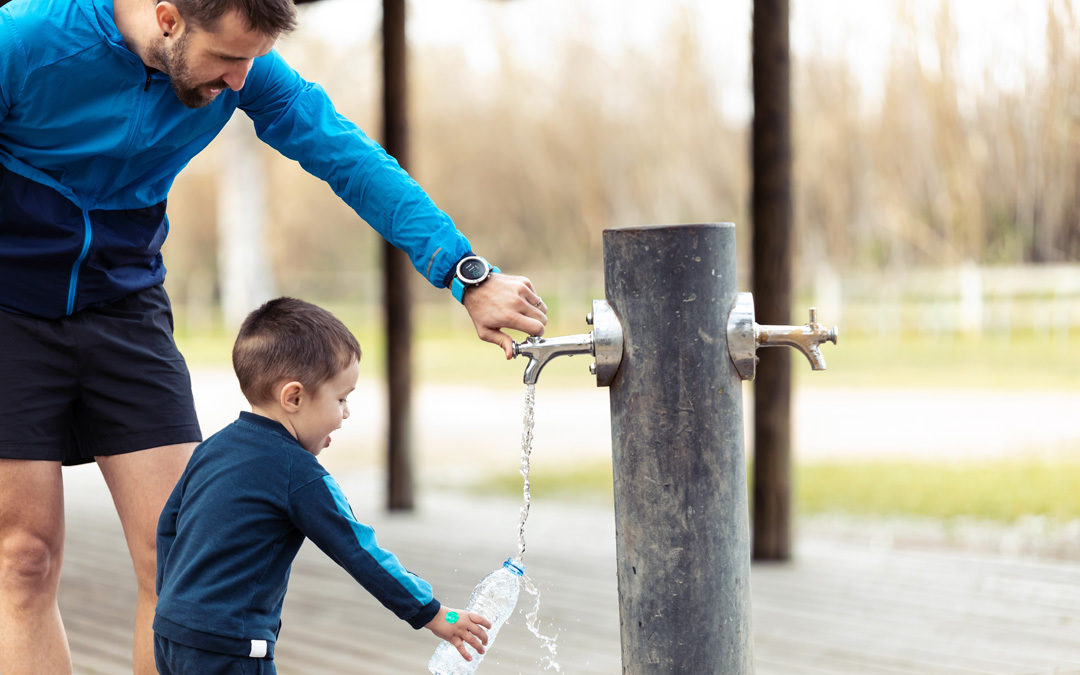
x=472 y=282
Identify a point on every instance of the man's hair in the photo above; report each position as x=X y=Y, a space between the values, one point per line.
x=269 y=17
x=288 y=339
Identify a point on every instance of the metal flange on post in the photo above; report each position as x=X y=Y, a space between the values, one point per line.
x=605 y=342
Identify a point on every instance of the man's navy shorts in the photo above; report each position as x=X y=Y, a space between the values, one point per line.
x=105 y=381
x=173 y=658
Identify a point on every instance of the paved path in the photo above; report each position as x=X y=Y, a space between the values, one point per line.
x=848 y=603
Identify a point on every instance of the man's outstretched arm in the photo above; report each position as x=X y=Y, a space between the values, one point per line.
x=298 y=119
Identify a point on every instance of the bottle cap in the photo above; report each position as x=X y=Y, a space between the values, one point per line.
x=515 y=566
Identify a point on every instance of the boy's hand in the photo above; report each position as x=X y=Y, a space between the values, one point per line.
x=505 y=301
x=468 y=627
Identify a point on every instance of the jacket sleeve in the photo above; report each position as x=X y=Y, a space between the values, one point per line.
x=321 y=511
x=298 y=119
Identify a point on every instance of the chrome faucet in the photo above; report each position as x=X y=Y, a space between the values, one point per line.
x=805 y=338
x=605 y=342
x=745 y=336
x=540 y=350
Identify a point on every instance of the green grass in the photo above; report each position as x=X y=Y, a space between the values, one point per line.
x=1000 y=490
x=1020 y=361
x=997 y=490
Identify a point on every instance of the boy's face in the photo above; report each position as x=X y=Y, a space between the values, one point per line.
x=323 y=410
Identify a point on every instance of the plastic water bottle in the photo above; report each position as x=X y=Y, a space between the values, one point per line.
x=494 y=599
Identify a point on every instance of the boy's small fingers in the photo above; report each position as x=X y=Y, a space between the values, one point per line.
x=476 y=644
x=479 y=618
x=461 y=649
x=477 y=640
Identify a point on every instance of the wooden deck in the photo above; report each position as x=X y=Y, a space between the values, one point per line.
x=843 y=606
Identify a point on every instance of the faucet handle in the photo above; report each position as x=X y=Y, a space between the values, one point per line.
x=825 y=334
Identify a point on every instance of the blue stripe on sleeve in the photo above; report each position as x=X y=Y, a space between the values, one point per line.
x=365 y=537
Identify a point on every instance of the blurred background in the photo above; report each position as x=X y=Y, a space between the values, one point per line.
x=936 y=218
x=936 y=191
x=935 y=148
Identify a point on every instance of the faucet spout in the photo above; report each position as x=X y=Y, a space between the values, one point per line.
x=605 y=342
x=806 y=338
x=540 y=350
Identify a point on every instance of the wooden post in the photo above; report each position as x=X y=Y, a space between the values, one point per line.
x=771 y=258
x=397 y=274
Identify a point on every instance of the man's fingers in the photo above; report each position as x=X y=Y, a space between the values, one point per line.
x=526 y=324
x=506 y=302
x=499 y=338
x=534 y=306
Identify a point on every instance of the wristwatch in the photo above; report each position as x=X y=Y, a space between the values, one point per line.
x=470 y=271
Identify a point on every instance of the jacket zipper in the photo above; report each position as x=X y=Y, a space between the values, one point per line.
x=88 y=236
x=149 y=73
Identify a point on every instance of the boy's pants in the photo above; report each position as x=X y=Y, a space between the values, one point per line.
x=173 y=658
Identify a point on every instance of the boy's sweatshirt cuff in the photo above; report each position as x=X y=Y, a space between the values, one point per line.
x=426 y=614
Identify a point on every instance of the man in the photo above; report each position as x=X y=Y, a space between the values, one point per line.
x=102 y=102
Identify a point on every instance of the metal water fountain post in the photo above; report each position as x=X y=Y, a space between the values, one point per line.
x=673 y=341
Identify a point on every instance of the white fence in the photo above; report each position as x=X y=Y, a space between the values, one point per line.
x=967 y=300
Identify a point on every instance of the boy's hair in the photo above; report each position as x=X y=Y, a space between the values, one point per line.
x=288 y=339
x=269 y=17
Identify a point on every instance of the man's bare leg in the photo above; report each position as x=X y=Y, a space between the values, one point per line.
x=32 y=638
x=140 y=483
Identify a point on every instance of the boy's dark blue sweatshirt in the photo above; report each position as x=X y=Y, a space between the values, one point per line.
x=232 y=526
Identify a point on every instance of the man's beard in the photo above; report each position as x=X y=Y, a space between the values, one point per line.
x=177 y=68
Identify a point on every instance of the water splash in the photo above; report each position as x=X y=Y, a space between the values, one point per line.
x=526 y=453
x=532 y=617
x=532 y=622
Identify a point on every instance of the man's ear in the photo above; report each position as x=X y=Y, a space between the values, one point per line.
x=290 y=396
x=168 y=18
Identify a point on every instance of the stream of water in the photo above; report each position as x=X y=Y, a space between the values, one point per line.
x=532 y=617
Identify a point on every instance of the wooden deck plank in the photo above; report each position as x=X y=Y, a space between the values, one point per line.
x=840 y=607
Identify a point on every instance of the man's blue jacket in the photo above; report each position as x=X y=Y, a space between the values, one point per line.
x=90 y=142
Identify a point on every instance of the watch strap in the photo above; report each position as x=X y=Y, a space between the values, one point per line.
x=457 y=289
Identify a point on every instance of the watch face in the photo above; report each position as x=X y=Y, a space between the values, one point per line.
x=472 y=269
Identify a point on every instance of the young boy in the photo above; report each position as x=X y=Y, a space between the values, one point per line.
x=251 y=494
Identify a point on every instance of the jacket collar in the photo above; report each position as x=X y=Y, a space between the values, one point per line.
x=103 y=20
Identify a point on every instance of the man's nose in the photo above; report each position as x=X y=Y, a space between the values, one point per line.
x=236 y=77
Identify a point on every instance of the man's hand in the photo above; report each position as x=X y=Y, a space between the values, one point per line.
x=505 y=301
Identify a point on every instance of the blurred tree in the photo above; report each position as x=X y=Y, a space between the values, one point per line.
x=397 y=271
x=771 y=269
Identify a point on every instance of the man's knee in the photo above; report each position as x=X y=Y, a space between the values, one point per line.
x=29 y=565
